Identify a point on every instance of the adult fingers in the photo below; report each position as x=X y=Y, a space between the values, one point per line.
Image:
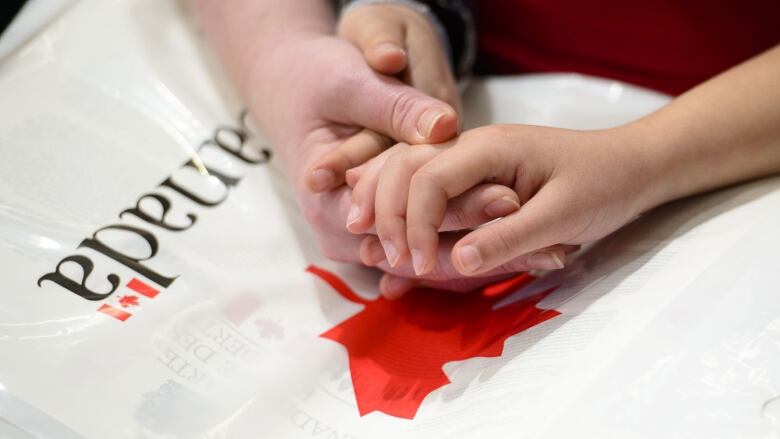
x=387 y=106
x=394 y=287
x=326 y=213
x=446 y=276
x=428 y=65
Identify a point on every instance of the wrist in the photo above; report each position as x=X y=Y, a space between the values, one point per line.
x=240 y=31
x=267 y=58
x=636 y=152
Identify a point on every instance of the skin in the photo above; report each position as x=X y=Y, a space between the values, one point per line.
x=575 y=186
x=395 y=40
x=311 y=92
x=300 y=105
x=578 y=186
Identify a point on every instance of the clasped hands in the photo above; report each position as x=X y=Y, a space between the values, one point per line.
x=368 y=129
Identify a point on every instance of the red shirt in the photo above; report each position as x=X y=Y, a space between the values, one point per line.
x=666 y=45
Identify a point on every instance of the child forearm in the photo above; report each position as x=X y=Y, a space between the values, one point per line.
x=724 y=131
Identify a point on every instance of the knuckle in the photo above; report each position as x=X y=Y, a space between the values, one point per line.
x=492 y=131
x=425 y=177
x=394 y=160
x=403 y=105
x=502 y=243
x=386 y=224
x=345 y=24
x=343 y=158
x=398 y=160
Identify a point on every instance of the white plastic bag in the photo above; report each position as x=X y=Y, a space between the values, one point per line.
x=205 y=323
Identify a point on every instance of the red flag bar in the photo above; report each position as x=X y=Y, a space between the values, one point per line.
x=114 y=312
x=141 y=288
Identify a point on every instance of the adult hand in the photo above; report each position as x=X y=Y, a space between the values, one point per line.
x=395 y=39
x=313 y=93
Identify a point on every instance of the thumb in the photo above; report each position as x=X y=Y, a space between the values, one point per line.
x=542 y=222
x=387 y=106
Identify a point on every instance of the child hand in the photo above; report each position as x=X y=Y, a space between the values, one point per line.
x=394 y=40
x=574 y=187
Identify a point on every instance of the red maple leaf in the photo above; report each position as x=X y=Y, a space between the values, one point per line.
x=128 y=300
x=397 y=348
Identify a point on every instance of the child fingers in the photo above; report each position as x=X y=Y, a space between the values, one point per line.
x=391 y=196
x=330 y=171
x=442 y=271
x=454 y=172
x=361 y=212
x=478 y=205
x=473 y=208
x=379 y=35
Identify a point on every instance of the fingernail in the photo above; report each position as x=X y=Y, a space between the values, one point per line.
x=322 y=179
x=427 y=122
x=354 y=215
x=469 y=258
x=418 y=262
x=501 y=207
x=390 y=47
x=545 y=261
x=391 y=252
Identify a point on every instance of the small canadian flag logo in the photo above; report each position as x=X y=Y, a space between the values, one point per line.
x=129 y=301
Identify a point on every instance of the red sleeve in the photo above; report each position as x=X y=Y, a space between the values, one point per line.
x=666 y=45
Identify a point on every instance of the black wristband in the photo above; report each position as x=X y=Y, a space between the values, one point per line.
x=458 y=22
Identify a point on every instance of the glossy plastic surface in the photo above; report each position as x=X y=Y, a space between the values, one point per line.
x=124 y=155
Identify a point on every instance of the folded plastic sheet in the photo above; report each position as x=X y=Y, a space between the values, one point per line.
x=159 y=281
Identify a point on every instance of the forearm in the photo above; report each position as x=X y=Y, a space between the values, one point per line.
x=724 y=131
x=242 y=31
